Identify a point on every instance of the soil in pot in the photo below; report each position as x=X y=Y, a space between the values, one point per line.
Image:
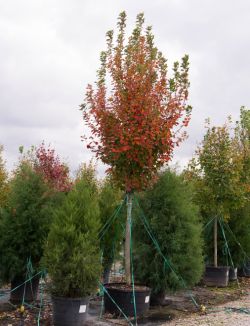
x=27 y=291
x=122 y=295
x=216 y=276
x=69 y=311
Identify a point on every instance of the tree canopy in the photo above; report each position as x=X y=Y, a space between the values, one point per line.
x=136 y=111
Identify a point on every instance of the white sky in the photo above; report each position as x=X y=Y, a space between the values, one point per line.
x=49 y=51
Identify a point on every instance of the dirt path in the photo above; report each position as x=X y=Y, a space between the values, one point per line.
x=231 y=313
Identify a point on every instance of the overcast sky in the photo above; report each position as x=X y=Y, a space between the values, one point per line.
x=49 y=51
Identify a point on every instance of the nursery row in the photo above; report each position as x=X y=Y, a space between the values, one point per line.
x=74 y=230
x=165 y=229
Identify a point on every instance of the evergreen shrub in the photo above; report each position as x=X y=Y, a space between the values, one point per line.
x=72 y=253
x=175 y=223
x=25 y=223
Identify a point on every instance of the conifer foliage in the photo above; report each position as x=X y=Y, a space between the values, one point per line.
x=25 y=223
x=72 y=254
x=174 y=220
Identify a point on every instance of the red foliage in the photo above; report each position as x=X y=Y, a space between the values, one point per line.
x=54 y=172
x=134 y=124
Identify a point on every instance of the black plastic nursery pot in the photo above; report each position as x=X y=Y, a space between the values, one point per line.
x=69 y=311
x=157 y=299
x=245 y=270
x=233 y=274
x=123 y=297
x=216 y=276
x=21 y=291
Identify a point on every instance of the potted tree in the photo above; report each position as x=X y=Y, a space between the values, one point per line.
x=175 y=220
x=217 y=176
x=72 y=254
x=133 y=124
x=24 y=227
x=239 y=224
x=109 y=197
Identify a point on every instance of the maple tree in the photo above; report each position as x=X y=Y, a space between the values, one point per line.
x=46 y=162
x=54 y=171
x=137 y=112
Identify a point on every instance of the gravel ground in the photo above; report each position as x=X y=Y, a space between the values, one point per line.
x=230 y=313
x=179 y=308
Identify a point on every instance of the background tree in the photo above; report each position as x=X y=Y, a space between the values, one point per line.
x=54 y=171
x=242 y=146
x=3 y=179
x=136 y=112
x=87 y=172
x=46 y=162
x=216 y=170
x=239 y=222
x=175 y=222
x=25 y=223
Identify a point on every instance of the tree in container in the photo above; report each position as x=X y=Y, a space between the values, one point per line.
x=175 y=220
x=72 y=254
x=24 y=227
x=136 y=112
x=216 y=171
x=239 y=224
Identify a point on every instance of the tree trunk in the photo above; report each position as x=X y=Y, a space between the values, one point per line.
x=106 y=274
x=215 y=242
x=128 y=240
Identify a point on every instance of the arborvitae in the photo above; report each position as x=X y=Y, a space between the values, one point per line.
x=25 y=223
x=175 y=223
x=72 y=254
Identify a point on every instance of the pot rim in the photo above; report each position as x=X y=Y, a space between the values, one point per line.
x=56 y=297
x=112 y=286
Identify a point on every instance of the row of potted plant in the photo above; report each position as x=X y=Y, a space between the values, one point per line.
x=63 y=237
x=72 y=251
x=133 y=130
